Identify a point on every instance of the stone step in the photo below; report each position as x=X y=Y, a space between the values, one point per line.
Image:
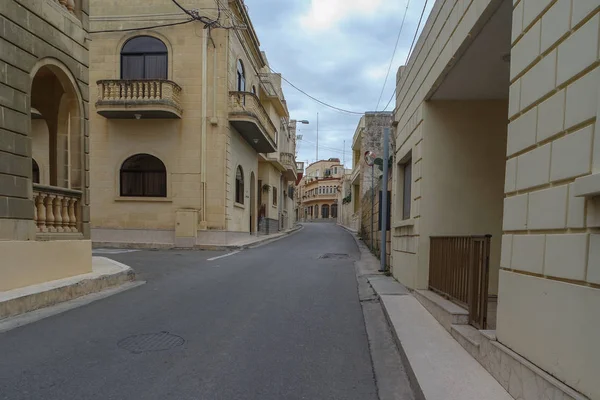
x=446 y=312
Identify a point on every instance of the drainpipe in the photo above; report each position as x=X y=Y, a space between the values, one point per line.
x=203 y=223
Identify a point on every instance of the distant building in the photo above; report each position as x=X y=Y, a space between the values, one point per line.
x=318 y=190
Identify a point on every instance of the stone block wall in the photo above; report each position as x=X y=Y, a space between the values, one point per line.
x=367 y=217
x=550 y=247
x=34 y=33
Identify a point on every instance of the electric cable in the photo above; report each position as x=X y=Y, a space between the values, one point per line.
x=145 y=27
x=411 y=47
x=314 y=98
x=393 y=54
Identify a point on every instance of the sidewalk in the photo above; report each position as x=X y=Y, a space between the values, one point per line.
x=439 y=368
x=250 y=241
x=105 y=274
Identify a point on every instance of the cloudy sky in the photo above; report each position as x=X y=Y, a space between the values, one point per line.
x=339 y=52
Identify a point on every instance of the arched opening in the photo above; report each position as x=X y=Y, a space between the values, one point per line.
x=57 y=135
x=35 y=171
x=143 y=175
x=57 y=127
x=334 y=211
x=144 y=57
x=241 y=77
x=325 y=211
x=253 y=219
x=239 y=185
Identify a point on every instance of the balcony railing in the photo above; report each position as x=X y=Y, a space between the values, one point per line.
x=143 y=98
x=57 y=210
x=288 y=161
x=249 y=117
x=68 y=5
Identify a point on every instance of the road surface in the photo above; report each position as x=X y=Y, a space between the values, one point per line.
x=279 y=322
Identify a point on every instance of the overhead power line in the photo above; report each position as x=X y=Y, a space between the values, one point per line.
x=393 y=54
x=411 y=46
x=317 y=100
x=145 y=27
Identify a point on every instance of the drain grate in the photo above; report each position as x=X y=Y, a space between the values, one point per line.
x=149 y=342
x=335 y=256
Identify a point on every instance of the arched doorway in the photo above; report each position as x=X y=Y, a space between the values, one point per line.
x=334 y=211
x=57 y=134
x=253 y=216
x=325 y=211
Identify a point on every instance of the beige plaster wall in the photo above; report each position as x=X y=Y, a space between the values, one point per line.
x=242 y=154
x=463 y=192
x=27 y=263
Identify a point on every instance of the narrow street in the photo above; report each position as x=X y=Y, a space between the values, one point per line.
x=275 y=322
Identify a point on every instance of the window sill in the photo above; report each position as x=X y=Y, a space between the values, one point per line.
x=401 y=224
x=239 y=205
x=274 y=206
x=145 y=199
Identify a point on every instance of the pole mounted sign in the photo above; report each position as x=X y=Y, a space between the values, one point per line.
x=370 y=158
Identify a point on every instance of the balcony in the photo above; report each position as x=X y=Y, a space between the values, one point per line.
x=148 y=99
x=249 y=118
x=289 y=163
x=271 y=91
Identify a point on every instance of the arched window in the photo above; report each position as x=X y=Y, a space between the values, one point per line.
x=35 y=171
x=241 y=77
x=143 y=175
x=144 y=57
x=239 y=185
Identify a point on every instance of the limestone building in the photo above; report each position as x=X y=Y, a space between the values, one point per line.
x=191 y=138
x=367 y=137
x=318 y=190
x=44 y=141
x=496 y=186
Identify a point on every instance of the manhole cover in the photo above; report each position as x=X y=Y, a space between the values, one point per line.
x=335 y=256
x=148 y=342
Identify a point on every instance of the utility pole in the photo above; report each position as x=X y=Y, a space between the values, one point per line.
x=384 y=197
x=344 y=156
x=317 y=138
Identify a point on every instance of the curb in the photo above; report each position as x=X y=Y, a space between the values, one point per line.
x=414 y=383
x=56 y=295
x=203 y=247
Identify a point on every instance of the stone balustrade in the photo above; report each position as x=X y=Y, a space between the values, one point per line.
x=56 y=210
x=68 y=5
x=249 y=103
x=288 y=161
x=140 y=94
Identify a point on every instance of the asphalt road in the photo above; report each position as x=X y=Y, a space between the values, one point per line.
x=272 y=323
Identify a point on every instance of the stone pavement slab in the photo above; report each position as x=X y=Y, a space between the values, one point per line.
x=443 y=369
x=386 y=285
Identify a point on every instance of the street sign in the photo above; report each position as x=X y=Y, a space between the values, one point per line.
x=370 y=158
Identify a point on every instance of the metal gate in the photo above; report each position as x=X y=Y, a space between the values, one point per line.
x=459 y=270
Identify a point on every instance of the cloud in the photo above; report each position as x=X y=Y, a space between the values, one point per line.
x=338 y=51
x=325 y=14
